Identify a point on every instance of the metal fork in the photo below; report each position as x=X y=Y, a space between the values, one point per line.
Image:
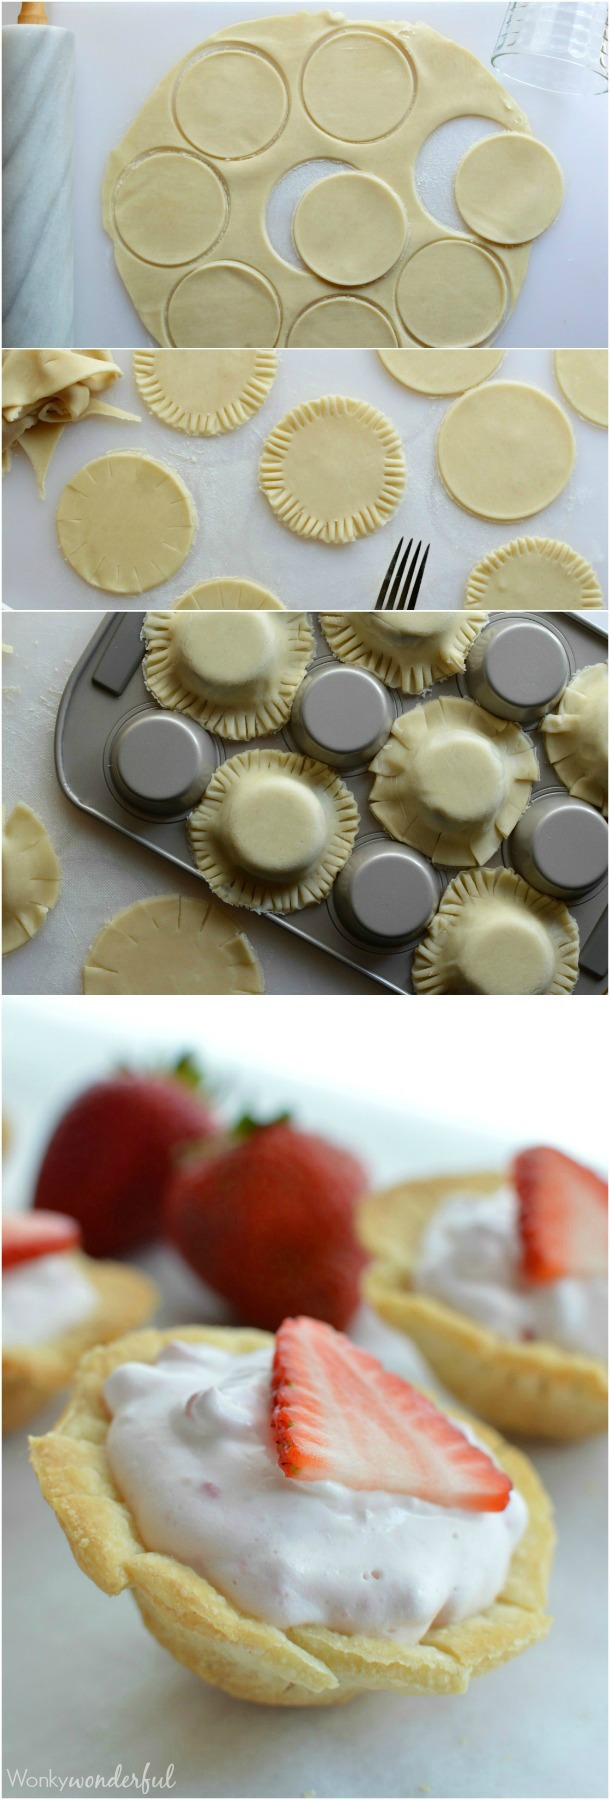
x=394 y=598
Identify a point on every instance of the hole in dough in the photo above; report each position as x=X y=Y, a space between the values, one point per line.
x=31 y=877
x=237 y=676
x=172 y=945
x=441 y=371
x=505 y=451
x=344 y=322
x=493 y=934
x=285 y=198
x=169 y=207
x=350 y=229
x=509 y=189
x=358 y=86
x=204 y=392
x=273 y=830
x=231 y=103
x=451 y=292
x=228 y=594
x=438 y=161
x=406 y=652
x=583 y=378
x=333 y=469
x=222 y=304
x=533 y=573
x=576 y=736
x=452 y=781
x=125 y=523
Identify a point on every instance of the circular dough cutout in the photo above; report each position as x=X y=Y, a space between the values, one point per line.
x=576 y=736
x=171 y=945
x=31 y=877
x=441 y=371
x=452 y=781
x=273 y=830
x=349 y=228
x=405 y=650
x=204 y=392
x=228 y=595
x=583 y=378
x=358 y=86
x=509 y=188
x=223 y=304
x=333 y=470
x=343 y=323
x=170 y=207
x=451 y=292
x=231 y=103
x=493 y=934
x=505 y=451
x=237 y=677
x=533 y=574
x=125 y=523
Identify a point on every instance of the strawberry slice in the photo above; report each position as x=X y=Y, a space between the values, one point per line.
x=337 y=1415
x=28 y=1235
x=563 y=1216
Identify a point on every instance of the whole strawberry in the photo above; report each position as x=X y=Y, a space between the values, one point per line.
x=109 y=1159
x=267 y=1219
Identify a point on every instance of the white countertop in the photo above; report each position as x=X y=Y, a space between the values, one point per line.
x=238 y=533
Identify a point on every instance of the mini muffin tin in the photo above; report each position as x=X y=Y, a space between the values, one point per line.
x=120 y=757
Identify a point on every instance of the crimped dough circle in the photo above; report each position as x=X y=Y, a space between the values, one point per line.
x=451 y=292
x=172 y=944
x=405 y=650
x=227 y=594
x=333 y=469
x=533 y=573
x=576 y=736
x=31 y=877
x=452 y=781
x=509 y=188
x=349 y=228
x=441 y=371
x=493 y=934
x=237 y=676
x=204 y=392
x=273 y=830
x=583 y=378
x=505 y=451
x=125 y=522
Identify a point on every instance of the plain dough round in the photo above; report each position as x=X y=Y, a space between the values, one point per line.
x=452 y=781
x=451 y=292
x=233 y=303
x=343 y=322
x=509 y=188
x=358 y=86
x=583 y=379
x=441 y=371
x=231 y=103
x=170 y=207
x=204 y=392
x=236 y=676
x=505 y=451
x=576 y=736
x=349 y=228
x=539 y=574
x=333 y=469
x=172 y=945
x=493 y=934
x=405 y=650
x=31 y=877
x=125 y=523
x=228 y=594
x=273 y=830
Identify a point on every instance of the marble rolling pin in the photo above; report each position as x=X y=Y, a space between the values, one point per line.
x=37 y=245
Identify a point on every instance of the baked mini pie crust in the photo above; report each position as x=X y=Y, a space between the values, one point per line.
x=172 y=944
x=452 y=780
x=405 y=650
x=309 y=1665
x=531 y=1387
x=227 y=594
x=236 y=676
x=273 y=830
x=532 y=572
x=333 y=469
x=576 y=736
x=33 y=1373
x=494 y=934
x=31 y=877
x=204 y=392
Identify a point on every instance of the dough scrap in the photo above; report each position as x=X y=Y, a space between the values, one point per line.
x=451 y=292
x=452 y=781
x=505 y=451
x=493 y=934
x=125 y=522
x=333 y=469
x=539 y=574
x=582 y=376
x=31 y=877
x=227 y=594
x=344 y=322
x=441 y=371
x=204 y=392
x=406 y=651
x=576 y=736
x=509 y=188
x=236 y=676
x=45 y=390
x=349 y=228
x=172 y=945
x=273 y=830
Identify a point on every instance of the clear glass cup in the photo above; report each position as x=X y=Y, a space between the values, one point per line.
x=560 y=46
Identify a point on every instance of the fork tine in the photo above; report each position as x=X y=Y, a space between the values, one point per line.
x=392 y=600
x=419 y=579
x=400 y=603
x=388 y=577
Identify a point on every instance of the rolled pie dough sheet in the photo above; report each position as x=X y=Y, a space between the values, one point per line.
x=31 y=877
x=227 y=594
x=236 y=676
x=172 y=945
x=333 y=469
x=204 y=392
x=539 y=574
x=509 y=188
x=45 y=390
x=583 y=378
x=493 y=934
x=406 y=651
x=273 y=830
x=125 y=522
x=452 y=781
x=505 y=451
x=576 y=736
x=452 y=292
x=193 y=175
x=441 y=371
